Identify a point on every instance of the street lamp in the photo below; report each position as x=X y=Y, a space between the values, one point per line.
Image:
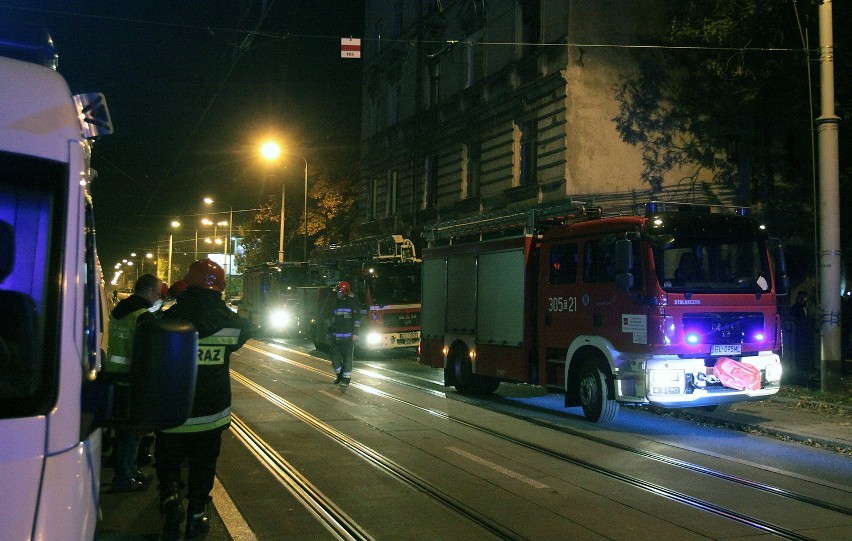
x=174 y=224
x=210 y=201
x=271 y=151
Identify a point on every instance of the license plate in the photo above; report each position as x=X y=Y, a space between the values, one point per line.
x=733 y=349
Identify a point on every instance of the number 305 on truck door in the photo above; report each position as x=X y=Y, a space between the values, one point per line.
x=562 y=304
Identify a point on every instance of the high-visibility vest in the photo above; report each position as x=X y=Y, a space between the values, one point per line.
x=212 y=354
x=120 y=344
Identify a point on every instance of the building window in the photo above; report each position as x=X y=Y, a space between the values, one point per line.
x=393 y=105
x=393 y=183
x=528 y=153
x=530 y=24
x=475 y=59
x=396 y=31
x=430 y=188
x=434 y=91
x=373 y=205
x=472 y=168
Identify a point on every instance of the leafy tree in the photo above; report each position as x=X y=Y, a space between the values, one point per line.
x=731 y=102
x=331 y=212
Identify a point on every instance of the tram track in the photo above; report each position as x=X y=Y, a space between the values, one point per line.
x=654 y=488
x=382 y=462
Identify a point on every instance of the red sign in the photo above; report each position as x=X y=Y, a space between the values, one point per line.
x=350 y=48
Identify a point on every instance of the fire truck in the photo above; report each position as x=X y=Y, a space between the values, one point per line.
x=54 y=399
x=270 y=300
x=384 y=274
x=674 y=306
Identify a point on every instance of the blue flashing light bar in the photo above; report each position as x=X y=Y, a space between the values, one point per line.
x=28 y=43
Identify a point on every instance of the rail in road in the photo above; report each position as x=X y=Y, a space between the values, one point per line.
x=410 y=461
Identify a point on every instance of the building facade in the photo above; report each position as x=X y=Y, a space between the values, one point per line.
x=478 y=105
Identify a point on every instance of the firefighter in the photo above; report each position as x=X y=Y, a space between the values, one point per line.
x=198 y=440
x=343 y=327
x=122 y=328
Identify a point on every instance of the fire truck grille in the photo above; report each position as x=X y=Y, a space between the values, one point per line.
x=726 y=328
x=403 y=319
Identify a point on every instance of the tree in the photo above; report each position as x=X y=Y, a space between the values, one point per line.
x=331 y=212
x=732 y=103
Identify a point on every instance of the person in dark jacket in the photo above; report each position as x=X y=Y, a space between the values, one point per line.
x=343 y=327
x=123 y=320
x=198 y=440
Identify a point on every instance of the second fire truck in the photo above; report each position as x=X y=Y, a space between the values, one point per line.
x=384 y=274
x=674 y=306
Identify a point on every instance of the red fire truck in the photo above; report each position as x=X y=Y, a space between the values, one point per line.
x=270 y=302
x=674 y=307
x=384 y=274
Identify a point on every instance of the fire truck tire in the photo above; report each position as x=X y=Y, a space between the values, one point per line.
x=466 y=382
x=594 y=395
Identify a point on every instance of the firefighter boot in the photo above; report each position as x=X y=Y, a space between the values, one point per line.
x=171 y=508
x=339 y=378
x=197 y=522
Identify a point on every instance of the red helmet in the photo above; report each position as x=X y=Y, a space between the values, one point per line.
x=177 y=288
x=205 y=273
x=164 y=290
x=343 y=288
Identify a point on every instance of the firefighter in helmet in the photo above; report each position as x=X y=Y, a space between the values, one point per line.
x=198 y=440
x=343 y=328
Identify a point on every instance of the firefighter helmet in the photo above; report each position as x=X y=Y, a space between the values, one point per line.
x=205 y=273
x=343 y=288
x=177 y=288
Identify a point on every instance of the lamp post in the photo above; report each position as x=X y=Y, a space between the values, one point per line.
x=174 y=224
x=210 y=201
x=271 y=151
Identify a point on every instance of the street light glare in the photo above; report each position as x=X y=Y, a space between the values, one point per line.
x=270 y=150
x=208 y=200
x=175 y=223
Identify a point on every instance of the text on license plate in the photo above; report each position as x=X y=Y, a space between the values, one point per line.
x=732 y=349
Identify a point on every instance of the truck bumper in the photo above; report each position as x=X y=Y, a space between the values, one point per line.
x=672 y=382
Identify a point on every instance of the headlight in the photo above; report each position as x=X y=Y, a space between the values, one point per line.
x=374 y=338
x=666 y=381
x=773 y=372
x=279 y=318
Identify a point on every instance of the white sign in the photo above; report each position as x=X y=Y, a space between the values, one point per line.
x=350 y=48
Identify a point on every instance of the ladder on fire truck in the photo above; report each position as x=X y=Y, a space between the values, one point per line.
x=378 y=248
x=506 y=222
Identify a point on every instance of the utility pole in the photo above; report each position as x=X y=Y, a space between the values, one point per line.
x=829 y=190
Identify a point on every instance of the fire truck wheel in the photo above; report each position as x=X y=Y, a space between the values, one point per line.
x=466 y=382
x=594 y=395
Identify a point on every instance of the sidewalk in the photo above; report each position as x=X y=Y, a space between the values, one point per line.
x=812 y=423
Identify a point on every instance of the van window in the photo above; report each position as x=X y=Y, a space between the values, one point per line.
x=32 y=196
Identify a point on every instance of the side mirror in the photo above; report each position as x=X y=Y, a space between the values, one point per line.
x=162 y=374
x=782 y=279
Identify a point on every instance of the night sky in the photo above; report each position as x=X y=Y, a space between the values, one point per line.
x=193 y=86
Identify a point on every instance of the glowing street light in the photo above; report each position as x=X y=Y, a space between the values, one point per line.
x=175 y=224
x=271 y=151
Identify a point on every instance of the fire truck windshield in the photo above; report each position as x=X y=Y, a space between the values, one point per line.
x=394 y=283
x=713 y=264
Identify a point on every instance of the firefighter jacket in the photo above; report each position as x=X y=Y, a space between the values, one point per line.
x=345 y=318
x=220 y=332
x=122 y=329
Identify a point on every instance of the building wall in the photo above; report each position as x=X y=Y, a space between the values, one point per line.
x=489 y=92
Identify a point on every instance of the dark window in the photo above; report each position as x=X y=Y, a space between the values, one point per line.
x=393 y=181
x=530 y=24
x=599 y=262
x=430 y=198
x=563 y=264
x=474 y=166
x=529 y=144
